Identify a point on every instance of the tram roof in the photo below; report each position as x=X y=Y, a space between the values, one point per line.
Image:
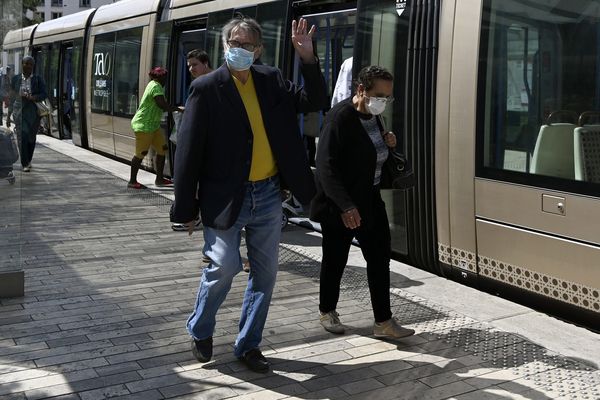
x=177 y=8
x=124 y=9
x=68 y=23
x=18 y=38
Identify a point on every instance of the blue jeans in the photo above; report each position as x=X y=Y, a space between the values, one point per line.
x=261 y=216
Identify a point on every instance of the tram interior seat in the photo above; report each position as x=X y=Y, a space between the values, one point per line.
x=586 y=146
x=553 y=152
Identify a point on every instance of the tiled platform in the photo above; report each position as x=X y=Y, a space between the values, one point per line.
x=109 y=287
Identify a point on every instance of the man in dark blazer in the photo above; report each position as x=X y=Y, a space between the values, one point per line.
x=238 y=140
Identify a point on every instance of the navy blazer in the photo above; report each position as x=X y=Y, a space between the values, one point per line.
x=214 y=142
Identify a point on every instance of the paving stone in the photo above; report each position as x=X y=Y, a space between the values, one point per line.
x=109 y=287
x=147 y=395
x=104 y=392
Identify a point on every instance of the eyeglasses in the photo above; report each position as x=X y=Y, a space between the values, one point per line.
x=387 y=100
x=245 y=46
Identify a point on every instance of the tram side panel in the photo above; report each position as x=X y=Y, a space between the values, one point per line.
x=520 y=219
x=119 y=56
x=457 y=244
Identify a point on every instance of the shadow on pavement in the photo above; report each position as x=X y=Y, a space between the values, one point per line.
x=109 y=287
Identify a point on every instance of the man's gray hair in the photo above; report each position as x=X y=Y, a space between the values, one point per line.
x=28 y=58
x=248 y=25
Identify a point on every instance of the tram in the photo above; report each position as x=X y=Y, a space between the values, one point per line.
x=497 y=112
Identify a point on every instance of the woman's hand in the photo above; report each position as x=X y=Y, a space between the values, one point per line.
x=351 y=218
x=390 y=139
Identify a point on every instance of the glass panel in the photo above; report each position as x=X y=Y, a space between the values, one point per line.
x=382 y=39
x=102 y=73
x=127 y=71
x=540 y=93
x=335 y=30
x=271 y=17
x=73 y=92
x=188 y=41
x=52 y=85
x=70 y=89
x=11 y=271
x=333 y=41
x=214 y=48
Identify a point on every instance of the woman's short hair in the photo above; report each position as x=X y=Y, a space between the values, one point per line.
x=199 y=55
x=246 y=24
x=367 y=76
x=157 y=72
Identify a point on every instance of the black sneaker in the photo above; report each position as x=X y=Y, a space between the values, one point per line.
x=255 y=361
x=202 y=349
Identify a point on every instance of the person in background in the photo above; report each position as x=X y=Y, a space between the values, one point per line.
x=198 y=65
x=343 y=85
x=352 y=150
x=146 y=125
x=239 y=138
x=26 y=89
x=5 y=83
x=3 y=91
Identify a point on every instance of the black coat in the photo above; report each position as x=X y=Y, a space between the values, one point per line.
x=346 y=162
x=214 y=143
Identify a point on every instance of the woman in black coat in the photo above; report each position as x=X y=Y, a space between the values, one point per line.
x=352 y=150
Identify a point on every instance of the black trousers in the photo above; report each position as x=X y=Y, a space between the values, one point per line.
x=27 y=146
x=375 y=243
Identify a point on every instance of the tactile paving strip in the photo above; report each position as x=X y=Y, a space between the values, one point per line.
x=546 y=373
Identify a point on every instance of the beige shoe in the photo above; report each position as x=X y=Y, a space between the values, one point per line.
x=331 y=322
x=391 y=329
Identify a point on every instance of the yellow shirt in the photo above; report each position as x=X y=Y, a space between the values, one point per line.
x=263 y=163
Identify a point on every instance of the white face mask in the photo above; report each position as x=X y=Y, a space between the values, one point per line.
x=375 y=105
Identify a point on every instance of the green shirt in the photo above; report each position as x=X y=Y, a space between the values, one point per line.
x=148 y=116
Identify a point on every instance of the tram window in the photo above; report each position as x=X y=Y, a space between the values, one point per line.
x=539 y=72
x=102 y=73
x=271 y=17
x=214 y=48
x=15 y=57
x=382 y=39
x=127 y=71
x=41 y=62
x=162 y=38
x=380 y=29
x=52 y=81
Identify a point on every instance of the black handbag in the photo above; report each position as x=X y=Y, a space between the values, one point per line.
x=395 y=173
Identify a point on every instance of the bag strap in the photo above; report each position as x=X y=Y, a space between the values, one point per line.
x=380 y=124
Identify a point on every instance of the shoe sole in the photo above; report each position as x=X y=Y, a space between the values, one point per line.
x=259 y=370
x=393 y=337
x=337 y=332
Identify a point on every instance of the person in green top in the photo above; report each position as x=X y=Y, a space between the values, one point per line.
x=146 y=125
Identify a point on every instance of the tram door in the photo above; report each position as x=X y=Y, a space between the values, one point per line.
x=334 y=44
x=172 y=42
x=191 y=38
x=401 y=36
x=69 y=119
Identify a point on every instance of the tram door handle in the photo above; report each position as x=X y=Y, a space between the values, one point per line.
x=554 y=204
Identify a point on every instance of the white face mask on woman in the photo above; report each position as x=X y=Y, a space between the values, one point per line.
x=376 y=105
